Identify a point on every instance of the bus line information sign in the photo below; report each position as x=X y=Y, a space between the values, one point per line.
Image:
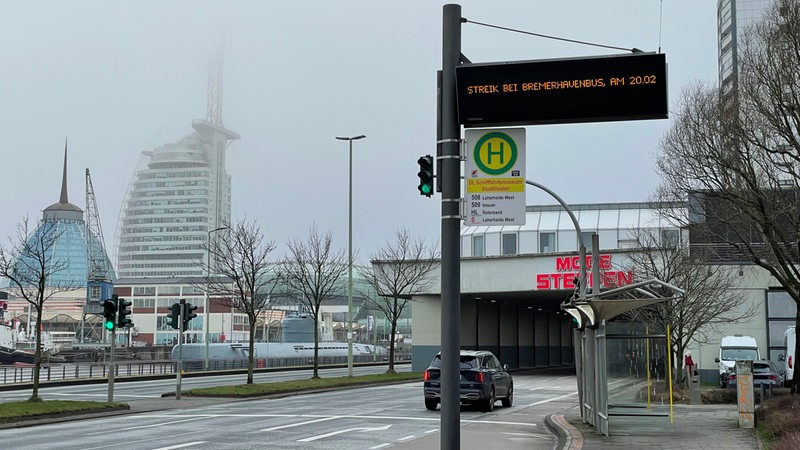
x=494 y=179
x=593 y=89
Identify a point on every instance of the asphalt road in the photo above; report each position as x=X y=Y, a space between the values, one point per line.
x=361 y=418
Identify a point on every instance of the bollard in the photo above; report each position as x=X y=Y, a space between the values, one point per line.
x=695 y=395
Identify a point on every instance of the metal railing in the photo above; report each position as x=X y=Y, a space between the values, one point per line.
x=10 y=375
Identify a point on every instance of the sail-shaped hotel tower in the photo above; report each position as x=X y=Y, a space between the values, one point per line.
x=178 y=194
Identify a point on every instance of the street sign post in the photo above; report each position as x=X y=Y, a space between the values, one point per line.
x=494 y=177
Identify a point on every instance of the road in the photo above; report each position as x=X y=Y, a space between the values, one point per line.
x=361 y=418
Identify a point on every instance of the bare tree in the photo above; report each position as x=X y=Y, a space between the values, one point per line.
x=735 y=154
x=312 y=273
x=245 y=277
x=400 y=269
x=709 y=300
x=31 y=265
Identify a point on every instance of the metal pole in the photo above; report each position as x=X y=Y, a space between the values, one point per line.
x=180 y=352
x=206 y=300
x=350 y=255
x=111 y=367
x=451 y=221
x=350 y=268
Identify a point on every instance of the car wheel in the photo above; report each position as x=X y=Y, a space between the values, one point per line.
x=431 y=404
x=509 y=399
x=722 y=384
x=488 y=405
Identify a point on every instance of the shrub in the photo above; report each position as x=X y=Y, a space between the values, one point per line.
x=779 y=421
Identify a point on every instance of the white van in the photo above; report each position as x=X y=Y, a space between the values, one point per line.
x=790 y=358
x=732 y=349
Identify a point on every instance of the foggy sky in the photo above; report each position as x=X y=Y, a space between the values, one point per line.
x=120 y=77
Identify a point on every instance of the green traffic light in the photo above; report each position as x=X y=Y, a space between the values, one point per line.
x=425 y=189
x=109 y=326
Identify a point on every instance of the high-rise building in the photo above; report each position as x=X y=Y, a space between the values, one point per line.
x=178 y=194
x=733 y=17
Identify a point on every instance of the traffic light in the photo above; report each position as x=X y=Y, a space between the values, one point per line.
x=110 y=314
x=124 y=307
x=425 y=175
x=188 y=314
x=174 y=316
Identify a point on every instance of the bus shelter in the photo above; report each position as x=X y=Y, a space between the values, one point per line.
x=622 y=368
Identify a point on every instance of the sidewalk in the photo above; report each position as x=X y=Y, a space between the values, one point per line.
x=706 y=427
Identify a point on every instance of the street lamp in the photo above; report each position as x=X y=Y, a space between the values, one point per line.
x=207 y=302
x=350 y=258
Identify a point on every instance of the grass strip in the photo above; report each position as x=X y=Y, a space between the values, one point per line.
x=26 y=408
x=256 y=389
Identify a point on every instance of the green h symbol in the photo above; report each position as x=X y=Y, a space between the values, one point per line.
x=498 y=153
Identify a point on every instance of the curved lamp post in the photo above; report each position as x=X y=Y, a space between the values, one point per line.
x=207 y=302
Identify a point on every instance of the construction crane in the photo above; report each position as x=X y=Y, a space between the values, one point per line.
x=99 y=283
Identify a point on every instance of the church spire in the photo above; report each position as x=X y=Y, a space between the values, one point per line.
x=63 y=198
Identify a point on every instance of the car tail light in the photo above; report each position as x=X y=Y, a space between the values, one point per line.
x=732 y=377
x=427 y=375
x=789 y=362
x=479 y=377
x=773 y=378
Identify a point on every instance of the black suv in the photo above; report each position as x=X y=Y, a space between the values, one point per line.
x=483 y=380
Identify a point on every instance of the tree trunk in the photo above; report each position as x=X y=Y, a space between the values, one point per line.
x=37 y=359
x=251 y=355
x=392 y=335
x=315 y=375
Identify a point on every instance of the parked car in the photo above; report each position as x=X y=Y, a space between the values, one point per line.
x=483 y=380
x=764 y=372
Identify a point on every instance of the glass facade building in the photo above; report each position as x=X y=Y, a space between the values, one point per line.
x=179 y=193
x=733 y=17
x=64 y=222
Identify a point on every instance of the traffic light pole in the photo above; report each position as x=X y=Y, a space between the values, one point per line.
x=451 y=224
x=180 y=351
x=111 y=366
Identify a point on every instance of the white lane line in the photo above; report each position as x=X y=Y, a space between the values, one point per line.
x=432 y=431
x=553 y=399
x=160 y=424
x=380 y=446
x=324 y=419
x=321 y=418
x=348 y=430
x=188 y=444
x=407 y=438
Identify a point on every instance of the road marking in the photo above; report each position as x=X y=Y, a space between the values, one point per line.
x=553 y=399
x=188 y=444
x=160 y=424
x=379 y=446
x=432 y=431
x=348 y=430
x=406 y=438
x=324 y=419
x=321 y=418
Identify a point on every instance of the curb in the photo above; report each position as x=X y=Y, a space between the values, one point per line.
x=569 y=437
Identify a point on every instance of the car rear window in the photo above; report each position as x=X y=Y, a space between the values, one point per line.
x=761 y=368
x=467 y=362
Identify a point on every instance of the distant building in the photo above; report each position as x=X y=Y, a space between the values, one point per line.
x=733 y=17
x=71 y=247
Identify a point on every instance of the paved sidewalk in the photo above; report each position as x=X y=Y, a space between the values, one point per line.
x=705 y=427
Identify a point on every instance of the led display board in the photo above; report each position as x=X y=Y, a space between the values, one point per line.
x=593 y=89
